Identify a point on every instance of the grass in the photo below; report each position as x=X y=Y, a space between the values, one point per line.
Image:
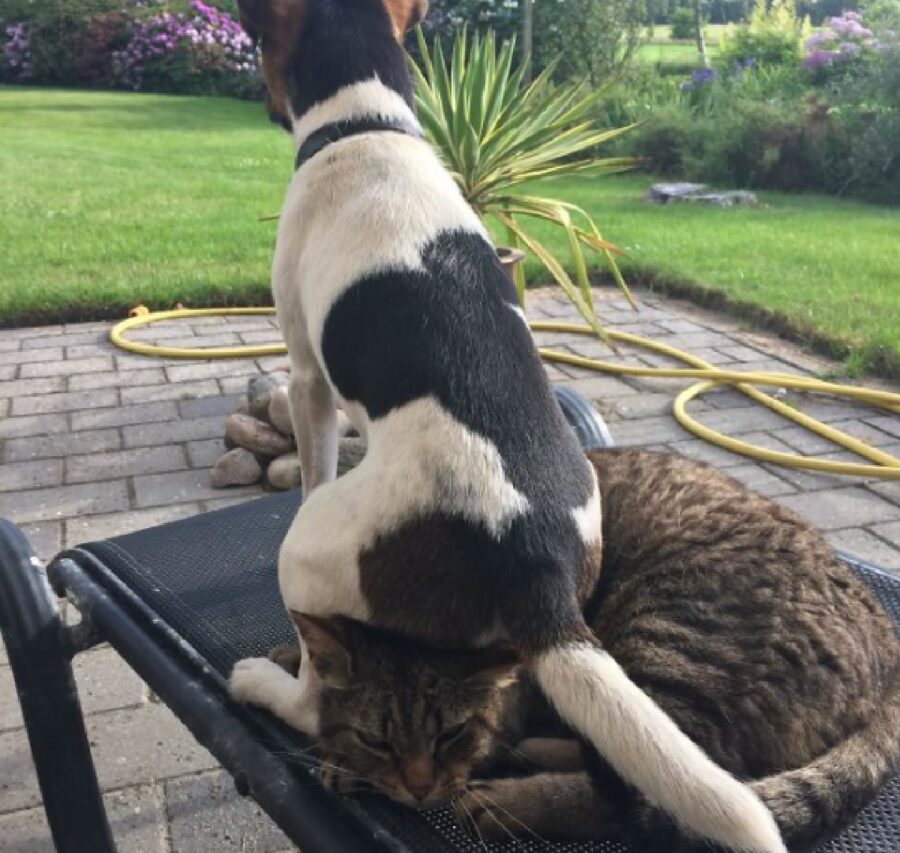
x=112 y=200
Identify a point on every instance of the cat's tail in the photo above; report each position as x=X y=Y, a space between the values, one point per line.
x=825 y=794
x=646 y=748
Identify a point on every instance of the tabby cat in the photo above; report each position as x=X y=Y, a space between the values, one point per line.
x=728 y=610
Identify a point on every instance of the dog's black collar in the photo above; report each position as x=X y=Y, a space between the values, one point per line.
x=338 y=130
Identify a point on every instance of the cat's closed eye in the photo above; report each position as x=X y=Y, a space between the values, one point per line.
x=450 y=736
x=374 y=743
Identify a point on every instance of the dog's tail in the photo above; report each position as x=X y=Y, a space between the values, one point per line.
x=823 y=795
x=646 y=748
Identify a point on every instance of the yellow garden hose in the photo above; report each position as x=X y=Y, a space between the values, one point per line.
x=886 y=466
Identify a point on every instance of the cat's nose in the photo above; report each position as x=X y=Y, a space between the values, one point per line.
x=418 y=776
x=420 y=790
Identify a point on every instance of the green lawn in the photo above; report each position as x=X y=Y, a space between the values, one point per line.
x=110 y=200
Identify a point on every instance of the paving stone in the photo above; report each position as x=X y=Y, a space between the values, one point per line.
x=224 y=404
x=862 y=544
x=681 y=326
x=63 y=501
x=8 y=371
x=9 y=344
x=211 y=369
x=888 y=490
x=738 y=421
x=31 y=387
x=764 y=482
x=742 y=353
x=105 y=682
x=601 y=387
x=888 y=424
x=117 y=379
x=45 y=538
x=206 y=813
x=170 y=391
x=832 y=509
x=269 y=363
x=694 y=340
x=251 y=493
x=644 y=406
x=24 y=356
x=93 y=527
x=19 y=476
x=124 y=463
x=142 y=413
x=53 y=340
x=648 y=431
x=69 y=367
x=66 y=402
x=266 y=336
x=178 y=487
x=889 y=532
x=221 y=339
x=724 y=398
x=64 y=444
x=32 y=332
x=204 y=453
x=239 y=324
x=103 y=347
x=136 y=816
x=32 y=425
x=140 y=435
x=804 y=441
x=703 y=451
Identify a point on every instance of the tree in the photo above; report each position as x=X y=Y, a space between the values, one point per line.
x=594 y=38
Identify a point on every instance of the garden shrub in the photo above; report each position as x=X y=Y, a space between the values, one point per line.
x=682 y=24
x=179 y=46
x=772 y=36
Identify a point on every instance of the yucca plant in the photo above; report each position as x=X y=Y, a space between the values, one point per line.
x=495 y=132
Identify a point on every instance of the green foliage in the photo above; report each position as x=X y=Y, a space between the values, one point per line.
x=772 y=37
x=683 y=24
x=495 y=133
x=587 y=39
x=68 y=37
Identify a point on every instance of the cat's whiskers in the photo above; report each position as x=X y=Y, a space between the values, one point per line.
x=457 y=800
x=492 y=802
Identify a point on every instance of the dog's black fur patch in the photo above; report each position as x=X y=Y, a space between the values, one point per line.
x=449 y=331
x=345 y=42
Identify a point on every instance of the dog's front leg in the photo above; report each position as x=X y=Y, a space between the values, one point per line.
x=314 y=415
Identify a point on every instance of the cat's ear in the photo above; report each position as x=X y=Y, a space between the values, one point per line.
x=328 y=644
x=493 y=667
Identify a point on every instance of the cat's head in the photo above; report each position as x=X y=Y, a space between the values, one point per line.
x=409 y=721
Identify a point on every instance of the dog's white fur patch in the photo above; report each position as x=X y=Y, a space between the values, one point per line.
x=419 y=460
x=589 y=517
x=644 y=745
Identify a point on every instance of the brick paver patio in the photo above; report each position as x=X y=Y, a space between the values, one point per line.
x=96 y=442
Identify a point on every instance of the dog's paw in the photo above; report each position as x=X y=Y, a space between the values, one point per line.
x=252 y=680
x=496 y=810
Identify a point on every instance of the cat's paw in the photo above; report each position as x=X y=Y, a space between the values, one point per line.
x=497 y=809
x=252 y=680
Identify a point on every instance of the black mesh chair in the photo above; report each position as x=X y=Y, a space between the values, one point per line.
x=181 y=603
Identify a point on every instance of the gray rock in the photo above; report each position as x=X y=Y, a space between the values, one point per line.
x=284 y=472
x=256 y=436
x=259 y=392
x=700 y=194
x=664 y=193
x=280 y=411
x=237 y=467
x=350 y=453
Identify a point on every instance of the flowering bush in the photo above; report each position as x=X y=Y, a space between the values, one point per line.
x=154 y=45
x=842 y=41
x=16 y=56
x=201 y=51
x=772 y=36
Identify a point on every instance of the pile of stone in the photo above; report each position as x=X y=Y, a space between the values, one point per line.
x=671 y=193
x=259 y=439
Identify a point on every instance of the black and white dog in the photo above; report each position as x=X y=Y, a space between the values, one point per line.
x=474 y=518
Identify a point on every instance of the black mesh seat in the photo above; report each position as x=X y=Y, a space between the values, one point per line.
x=212 y=579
